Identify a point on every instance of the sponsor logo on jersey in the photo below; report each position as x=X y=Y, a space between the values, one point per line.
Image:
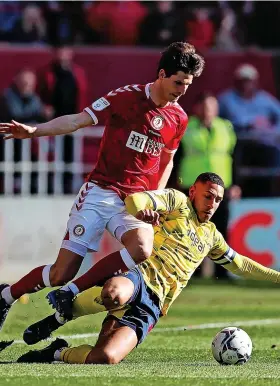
x=195 y=241
x=136 y=141
x=157 y=122
x=79 y=230
x=100 y=104
x=154 y=147
x=142 y=143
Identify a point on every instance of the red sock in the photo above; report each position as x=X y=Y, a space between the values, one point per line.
x=30 y=283
x=104 y=269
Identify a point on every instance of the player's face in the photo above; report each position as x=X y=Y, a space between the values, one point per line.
x=175 y=86
x=206 y=198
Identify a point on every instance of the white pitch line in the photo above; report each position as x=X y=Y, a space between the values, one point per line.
x=204 y=326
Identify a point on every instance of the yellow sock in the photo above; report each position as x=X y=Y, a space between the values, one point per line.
x=76 y=354
x=88 y=302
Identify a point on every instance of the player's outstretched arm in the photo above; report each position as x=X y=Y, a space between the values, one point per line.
x=245 y=267
x=238 y=264
x=58 y=126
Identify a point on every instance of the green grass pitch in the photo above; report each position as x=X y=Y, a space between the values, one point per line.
x=176 y=357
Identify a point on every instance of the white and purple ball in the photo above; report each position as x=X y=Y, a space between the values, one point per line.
x=232 y=346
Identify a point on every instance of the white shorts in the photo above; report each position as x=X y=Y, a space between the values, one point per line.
x=94 y=210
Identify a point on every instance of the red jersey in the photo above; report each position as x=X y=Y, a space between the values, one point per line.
x=136 y=132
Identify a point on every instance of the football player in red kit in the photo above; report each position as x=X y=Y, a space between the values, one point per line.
x=143 y=127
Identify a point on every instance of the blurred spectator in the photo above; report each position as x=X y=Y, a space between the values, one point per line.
x=208 y=145
x=62 y=84
x=200 y=29
x=30 y=28
x=252 y=110
x=10 y=13
x=117 y=22
x=20 y=101
x=226 y=39
x=247 y=106
x=162 y=26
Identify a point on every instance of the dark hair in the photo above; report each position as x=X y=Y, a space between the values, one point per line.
x=212 y=177
x=181 y=56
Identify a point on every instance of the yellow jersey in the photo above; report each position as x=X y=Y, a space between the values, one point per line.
x=181 y=243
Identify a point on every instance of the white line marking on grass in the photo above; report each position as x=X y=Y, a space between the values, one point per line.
x=204 y=326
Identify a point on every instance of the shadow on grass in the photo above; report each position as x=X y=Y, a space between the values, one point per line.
x=197 y=364
x=7 y=362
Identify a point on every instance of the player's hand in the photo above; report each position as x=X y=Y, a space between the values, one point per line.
x=149 y=216
x=16 y=130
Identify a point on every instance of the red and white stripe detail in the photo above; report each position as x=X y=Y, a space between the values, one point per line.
x=83 y=195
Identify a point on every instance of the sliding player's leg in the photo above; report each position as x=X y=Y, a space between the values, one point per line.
x=122 y=329
x=115 y=342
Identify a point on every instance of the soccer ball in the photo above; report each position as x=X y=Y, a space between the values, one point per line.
x=232 y=346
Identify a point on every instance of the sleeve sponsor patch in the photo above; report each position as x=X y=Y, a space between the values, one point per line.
x=100 y=104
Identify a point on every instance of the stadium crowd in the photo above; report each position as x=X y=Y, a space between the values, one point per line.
x=225 y=25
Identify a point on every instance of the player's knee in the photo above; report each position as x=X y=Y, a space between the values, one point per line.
x=110 y=357
x=105 y=357
x=116 y=292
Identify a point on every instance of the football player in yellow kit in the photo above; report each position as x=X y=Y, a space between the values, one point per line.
x=184 y=236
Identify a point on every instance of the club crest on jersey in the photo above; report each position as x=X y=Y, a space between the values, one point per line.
x=100 y=104
x=157 y=122
x=79 y=230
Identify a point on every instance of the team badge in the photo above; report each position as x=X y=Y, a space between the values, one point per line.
x=79 y=230
x=157 y=122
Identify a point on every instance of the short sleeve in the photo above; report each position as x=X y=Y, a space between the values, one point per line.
x=102 y=108
x=173 y=145
x=112 y=104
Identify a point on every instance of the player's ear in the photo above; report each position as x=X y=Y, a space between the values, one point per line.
x=192 y=192
x=161 y=74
